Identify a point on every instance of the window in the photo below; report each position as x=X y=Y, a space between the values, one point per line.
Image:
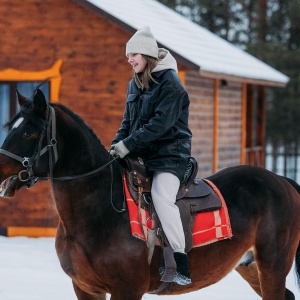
x=25 y=82
x=8 y=100
x=4 y=109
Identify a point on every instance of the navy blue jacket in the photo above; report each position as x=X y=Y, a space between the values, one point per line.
x=155 y=124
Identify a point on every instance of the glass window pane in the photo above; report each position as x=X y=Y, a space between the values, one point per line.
x=4 y=109
x=26 y=88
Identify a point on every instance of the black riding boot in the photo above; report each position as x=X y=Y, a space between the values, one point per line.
x=182 y=276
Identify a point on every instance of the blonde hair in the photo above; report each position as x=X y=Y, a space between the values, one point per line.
x=144 y=78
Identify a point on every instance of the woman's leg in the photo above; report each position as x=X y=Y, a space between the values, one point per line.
x=165 y=187
x=164 y=190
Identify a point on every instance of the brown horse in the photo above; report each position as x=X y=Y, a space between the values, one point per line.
x=94 y=242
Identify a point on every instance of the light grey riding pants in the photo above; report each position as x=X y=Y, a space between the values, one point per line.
x=165 y=187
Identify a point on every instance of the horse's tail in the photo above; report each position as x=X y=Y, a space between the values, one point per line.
x=297 y=259
x=293 y=183
x=297 y=265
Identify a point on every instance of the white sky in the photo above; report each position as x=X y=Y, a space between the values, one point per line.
x=30 y=270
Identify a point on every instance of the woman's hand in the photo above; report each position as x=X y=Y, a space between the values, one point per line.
x=119 y=149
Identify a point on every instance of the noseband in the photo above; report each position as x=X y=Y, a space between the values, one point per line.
x=27 y=175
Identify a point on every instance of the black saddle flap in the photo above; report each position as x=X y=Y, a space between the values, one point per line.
x=200 y=197
x=194 y=201
x=132 y=163
x=197 y=189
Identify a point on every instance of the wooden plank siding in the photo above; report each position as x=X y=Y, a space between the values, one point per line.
x=203 y=118
x=201 y=93
x=230 y=119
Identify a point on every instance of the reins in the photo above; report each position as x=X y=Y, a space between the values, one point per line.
x=86 y=174
x=51 y=147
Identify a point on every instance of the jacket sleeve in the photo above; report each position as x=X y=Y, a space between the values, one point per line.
x=168 y=108
x=123 y=131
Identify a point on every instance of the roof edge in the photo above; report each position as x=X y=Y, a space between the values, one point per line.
x=234 y=78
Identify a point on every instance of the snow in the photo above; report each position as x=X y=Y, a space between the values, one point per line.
x=30 y=270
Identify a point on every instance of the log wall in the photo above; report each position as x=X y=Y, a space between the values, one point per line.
x=229 y=122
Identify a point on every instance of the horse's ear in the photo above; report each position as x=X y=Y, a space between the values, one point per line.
x=39 y=104
x=21 y=99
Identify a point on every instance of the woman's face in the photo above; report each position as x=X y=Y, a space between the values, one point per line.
x=137 y=61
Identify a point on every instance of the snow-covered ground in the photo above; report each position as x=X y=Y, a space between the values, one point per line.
x=30 y=270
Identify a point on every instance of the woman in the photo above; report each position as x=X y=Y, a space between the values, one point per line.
x=155 y=127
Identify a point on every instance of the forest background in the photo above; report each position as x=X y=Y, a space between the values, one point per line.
x=269 y=30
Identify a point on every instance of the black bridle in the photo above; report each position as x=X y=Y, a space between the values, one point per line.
x=27 y=175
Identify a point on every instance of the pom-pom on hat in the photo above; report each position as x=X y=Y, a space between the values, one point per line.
x=143 y=42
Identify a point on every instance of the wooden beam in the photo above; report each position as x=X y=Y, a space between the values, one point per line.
x=244 y=124
x=250 y=115
x=181 y=75
x=29 y=231
x=261 y=126
x=216 y=127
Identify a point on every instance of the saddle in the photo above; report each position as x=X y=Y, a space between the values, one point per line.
x=194 y=194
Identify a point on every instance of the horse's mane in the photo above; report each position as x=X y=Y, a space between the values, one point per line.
x=27 y=109
x=80 y=121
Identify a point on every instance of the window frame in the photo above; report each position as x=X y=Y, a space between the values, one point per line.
x=53 y=74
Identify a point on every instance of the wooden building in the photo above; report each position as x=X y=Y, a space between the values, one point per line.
x=80 y=45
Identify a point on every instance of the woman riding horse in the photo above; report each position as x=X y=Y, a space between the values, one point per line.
x=94 y=241
x=155 y=127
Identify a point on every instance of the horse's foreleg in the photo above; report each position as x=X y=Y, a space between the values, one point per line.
x=133 y=290
x=126 y=294
x=81 y=295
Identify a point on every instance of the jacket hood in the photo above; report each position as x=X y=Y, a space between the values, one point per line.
x=166 y=61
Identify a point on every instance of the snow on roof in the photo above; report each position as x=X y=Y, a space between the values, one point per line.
x=194 y=43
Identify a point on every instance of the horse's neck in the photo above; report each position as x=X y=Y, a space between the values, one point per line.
x=86 y=200
x=90 y=202
x=79 y=149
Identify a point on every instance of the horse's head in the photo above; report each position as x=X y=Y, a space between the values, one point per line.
x=21 y=157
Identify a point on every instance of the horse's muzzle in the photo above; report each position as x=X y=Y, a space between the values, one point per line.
x=8 y=187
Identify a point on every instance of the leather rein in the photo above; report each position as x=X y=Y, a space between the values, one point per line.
x=27 y=175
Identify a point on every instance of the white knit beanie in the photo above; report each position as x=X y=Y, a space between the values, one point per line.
x=143 y=42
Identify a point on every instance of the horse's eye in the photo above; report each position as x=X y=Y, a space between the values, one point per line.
x=27 y=134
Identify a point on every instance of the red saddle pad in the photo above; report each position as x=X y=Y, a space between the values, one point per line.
x=209 y=227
